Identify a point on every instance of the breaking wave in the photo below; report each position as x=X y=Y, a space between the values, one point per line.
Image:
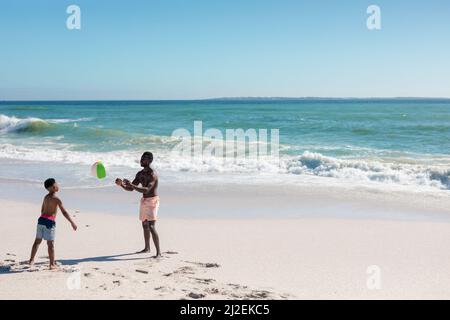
x=307 y=164
x=32 y=125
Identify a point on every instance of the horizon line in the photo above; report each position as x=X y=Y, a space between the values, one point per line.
x=231 y=99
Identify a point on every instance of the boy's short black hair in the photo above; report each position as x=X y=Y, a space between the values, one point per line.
x=49 y=183
x=148 y=155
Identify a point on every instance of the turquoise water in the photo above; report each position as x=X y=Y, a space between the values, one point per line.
x=395 y=142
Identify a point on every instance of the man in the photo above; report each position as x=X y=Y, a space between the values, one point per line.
x=148 y=212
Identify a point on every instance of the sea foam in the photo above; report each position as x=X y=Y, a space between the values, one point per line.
x=298 y=168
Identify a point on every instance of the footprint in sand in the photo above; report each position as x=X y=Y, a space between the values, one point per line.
x=164 y=289
x=117 y=282
x=258 y=294
x=203 y=281
x=236 y=286
x=182 y=270
x=194 y=295
x=118 y=275
x=185 y=270
x=170 y=252
x=18 y=267
x=205 y=264
x=212 y=290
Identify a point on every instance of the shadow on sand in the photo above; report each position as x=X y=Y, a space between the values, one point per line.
x=24 y=267
x=117 y=257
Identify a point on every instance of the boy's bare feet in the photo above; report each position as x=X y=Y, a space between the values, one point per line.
x=143 y=251
x=157 y=256
x=30 y=262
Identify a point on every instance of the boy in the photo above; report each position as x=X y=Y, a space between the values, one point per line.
x=150 y=200
x=46 y=223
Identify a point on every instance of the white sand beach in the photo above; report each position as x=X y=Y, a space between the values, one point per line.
x=325 y=253
x=295 y=151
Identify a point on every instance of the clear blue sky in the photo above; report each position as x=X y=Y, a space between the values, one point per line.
x=188 y=49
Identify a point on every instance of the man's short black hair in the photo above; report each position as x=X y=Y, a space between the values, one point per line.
x=148 y=155
x=49 y=183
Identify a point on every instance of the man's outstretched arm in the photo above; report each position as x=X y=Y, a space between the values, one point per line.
x=142 y=189
x=120 y=183
x=127 y=186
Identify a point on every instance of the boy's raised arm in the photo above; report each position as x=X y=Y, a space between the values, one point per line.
x=66 y=214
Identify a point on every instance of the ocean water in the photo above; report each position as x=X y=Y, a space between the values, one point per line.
x=402 y=143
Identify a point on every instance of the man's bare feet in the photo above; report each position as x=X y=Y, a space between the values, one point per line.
x=30 y=262
x=53 y=267
x=143 y=251
x=157 y=256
